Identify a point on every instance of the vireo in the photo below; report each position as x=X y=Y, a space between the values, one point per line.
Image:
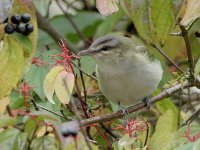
x=126 y=72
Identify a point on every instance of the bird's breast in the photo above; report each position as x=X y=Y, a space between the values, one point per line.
x=128 y=81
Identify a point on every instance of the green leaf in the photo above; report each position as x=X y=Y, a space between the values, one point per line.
x=181 y=142
x=30 y=127
x=6 y=121
x=164 y=132
x=8 y=138
x=165 y=105
x=197 y=69
x=153 y=19
x=88 y=65
x=44 y=143
x=137 y=10
x=21 y=142
x=162 y=19
x=25 y=42
x=196 y=145
x=36 y=75
x=87 y=27
x=109 y=23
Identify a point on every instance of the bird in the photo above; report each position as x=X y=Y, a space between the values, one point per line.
x=126 y=71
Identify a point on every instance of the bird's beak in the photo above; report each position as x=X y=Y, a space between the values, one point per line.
x=84 y=52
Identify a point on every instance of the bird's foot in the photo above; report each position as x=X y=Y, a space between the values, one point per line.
x=147 y=102
x=123 y=110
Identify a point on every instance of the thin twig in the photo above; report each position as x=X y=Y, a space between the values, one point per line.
x=82 y=80
x=35 y=105
x=192 y=117
x=91 y=76
x=189 y=49
x=188 y=28
x=9 y=111
x=167 y=58
x=164 y=94
x=78 y=117
x=80 y=34
x=45 y=25
x=53 y=112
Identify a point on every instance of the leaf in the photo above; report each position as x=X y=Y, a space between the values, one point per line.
x=181 y=141
x=137 y=10
x=107 y=7
x=197 y=69
x=14 y=57
x=164 y=132
x=153 y=19
x=162 y=19
x=6 y=121
x=36 y=74
x=192 y=12
x=25 y=42
x=87 y=27
x=165 y=105
x=88 y=65
x=3 y=104
x=109 y=23
x=12 y=63
x=8 y=138
x=44 y=143
x=30 y=127
x=64 y=85
x=49 y=82
x=21 y=142
x=196 y=145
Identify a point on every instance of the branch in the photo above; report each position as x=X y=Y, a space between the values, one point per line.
x=167 y=58
x=164 y=94
x=189 y=49
x=45 y=25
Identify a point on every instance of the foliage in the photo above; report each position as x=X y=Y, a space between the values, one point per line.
x=47 y=93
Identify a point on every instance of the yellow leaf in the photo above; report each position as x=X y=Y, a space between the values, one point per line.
x=192 y=12
x=49 y=82
x=64 y=85
x=3 y=103
x=14 y=57
x=11 y=68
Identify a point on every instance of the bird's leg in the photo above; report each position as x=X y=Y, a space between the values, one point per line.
x=147 y=102
x=122 y=109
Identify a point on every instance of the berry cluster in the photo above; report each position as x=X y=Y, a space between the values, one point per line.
x=19 y=23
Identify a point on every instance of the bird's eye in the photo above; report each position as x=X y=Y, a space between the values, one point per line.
x=105 y=48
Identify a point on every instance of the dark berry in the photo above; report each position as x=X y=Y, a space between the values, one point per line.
x=25 y=18
x=20 y=28
x=29 y=29
x=70 y=133
x=16 y=19
x=197 y=34
x=5 y=20
x=9 y=28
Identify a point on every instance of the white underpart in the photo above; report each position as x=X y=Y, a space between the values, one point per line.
x=128 y=80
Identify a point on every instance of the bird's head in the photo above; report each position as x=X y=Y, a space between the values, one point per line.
x=109 y=47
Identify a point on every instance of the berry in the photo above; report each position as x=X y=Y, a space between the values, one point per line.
x=29 y=29
x=5 y=20
x=9 y=28
x=25 y=18
x=21 y=28
x=16 y=19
